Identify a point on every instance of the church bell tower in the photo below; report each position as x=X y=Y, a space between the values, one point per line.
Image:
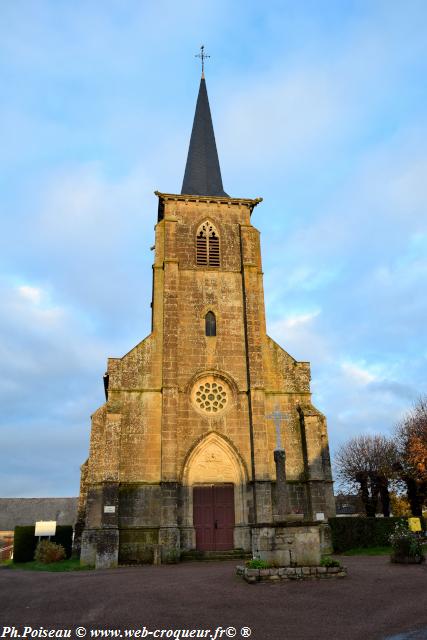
x=184 y=452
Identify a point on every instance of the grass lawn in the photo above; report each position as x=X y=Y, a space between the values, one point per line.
x=367 y=551
x=72 y=564
x=371 y=551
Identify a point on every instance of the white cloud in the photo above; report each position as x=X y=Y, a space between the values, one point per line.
x=33 y=294
x=358 y=373
x=300 y=336
x=41 y=341
x=297 y=319
x=87 y=237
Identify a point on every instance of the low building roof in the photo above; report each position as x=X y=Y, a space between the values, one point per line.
x=25 y=511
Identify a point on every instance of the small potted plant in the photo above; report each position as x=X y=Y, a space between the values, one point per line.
x=406 y=545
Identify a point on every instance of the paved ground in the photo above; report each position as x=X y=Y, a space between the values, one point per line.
x=376 y=601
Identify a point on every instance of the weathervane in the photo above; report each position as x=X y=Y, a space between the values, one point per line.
x=202 y=55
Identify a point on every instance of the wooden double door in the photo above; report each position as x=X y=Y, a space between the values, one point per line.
x=213 y=517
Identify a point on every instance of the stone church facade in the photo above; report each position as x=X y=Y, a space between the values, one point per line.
x=182 y=452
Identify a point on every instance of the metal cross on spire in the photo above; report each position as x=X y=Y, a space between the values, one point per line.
x=278 y=416
x=202 y=55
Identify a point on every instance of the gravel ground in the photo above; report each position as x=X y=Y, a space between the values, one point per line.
x=377 y=600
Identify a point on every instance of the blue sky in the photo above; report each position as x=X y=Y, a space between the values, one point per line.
x=320 y=107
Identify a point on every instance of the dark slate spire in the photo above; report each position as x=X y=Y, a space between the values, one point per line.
x=202 y=173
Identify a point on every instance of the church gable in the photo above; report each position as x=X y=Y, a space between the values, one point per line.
x=283 y=372
x=139 y=369
x=96 y=461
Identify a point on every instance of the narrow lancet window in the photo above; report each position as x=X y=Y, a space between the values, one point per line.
x=210 y=324
x=207 y=246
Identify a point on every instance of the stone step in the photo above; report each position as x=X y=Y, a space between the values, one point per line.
x=232 y=554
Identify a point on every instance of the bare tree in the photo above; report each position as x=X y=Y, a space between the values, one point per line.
x=365 y=463
x=411 y=465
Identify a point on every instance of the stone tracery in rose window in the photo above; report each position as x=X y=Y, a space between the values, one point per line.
x=210 y=396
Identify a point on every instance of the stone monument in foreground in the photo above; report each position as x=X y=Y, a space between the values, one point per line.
x=182 y=453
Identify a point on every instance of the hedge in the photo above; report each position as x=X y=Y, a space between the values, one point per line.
x=351 y=533
x=64 y=536
x=25 y=542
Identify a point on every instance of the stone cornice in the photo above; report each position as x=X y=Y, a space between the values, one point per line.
x=251 y=203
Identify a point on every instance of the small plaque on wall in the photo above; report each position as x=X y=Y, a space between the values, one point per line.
x=320 y=516
x=109 y=509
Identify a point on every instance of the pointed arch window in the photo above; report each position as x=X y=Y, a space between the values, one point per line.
x=210 y=324
x=207 y=245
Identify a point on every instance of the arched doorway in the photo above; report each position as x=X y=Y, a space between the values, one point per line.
x=215 y=478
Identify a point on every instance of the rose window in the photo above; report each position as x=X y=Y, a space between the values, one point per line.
x=210 y=396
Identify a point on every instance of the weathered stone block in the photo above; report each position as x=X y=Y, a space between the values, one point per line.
x=107 y=549
x=88 y=548
x=252 y=573
x=136 y=545
x=307 y=547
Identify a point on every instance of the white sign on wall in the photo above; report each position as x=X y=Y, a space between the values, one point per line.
x=109 y=509
x=45 y=528
x=320 y=516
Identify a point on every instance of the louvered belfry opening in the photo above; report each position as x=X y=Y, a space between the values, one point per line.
x=202 y=247
x=207 y=246
x=213 y=250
